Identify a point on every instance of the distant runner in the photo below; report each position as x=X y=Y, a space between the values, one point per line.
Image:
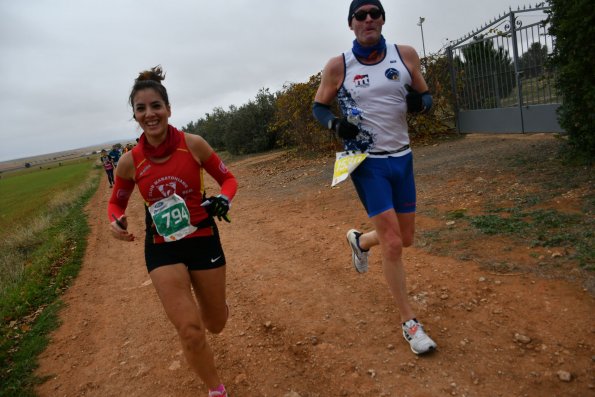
x=115 y=154
x=108 y=166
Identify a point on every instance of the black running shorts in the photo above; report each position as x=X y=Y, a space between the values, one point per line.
x=197 y=253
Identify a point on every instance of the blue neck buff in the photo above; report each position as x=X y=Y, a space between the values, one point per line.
x=368 y=52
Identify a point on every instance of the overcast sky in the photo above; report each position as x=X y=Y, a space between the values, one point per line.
x=67 y=66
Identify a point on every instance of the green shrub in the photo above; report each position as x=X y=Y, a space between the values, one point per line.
x=573 y=25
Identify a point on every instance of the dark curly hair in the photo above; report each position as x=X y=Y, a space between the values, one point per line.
x=149 y=79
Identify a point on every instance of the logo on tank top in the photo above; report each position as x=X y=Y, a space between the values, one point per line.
x=145 y=169
x=361 y=80
x=392 y=74
x=167 y=189
x=168 y=185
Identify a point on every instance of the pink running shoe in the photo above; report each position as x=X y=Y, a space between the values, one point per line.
x=218 y=392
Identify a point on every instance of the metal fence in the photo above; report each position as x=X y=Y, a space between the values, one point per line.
x=501 y=78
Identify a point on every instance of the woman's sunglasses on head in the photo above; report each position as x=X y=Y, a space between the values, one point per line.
x=361 y=15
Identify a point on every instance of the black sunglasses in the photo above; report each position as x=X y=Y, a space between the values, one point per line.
x=361 y=15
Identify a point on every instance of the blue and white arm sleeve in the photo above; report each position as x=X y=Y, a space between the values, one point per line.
x=426 y=101
x=323 y=114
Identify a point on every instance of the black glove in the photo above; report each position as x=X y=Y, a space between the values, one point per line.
x=345 y=129
x=415 y=100
x=217 y=206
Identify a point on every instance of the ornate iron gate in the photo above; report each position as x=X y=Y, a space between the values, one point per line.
x=500 y=77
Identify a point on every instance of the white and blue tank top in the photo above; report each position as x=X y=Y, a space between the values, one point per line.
x=378 y=92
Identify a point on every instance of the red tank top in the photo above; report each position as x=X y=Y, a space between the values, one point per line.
x=180 y=174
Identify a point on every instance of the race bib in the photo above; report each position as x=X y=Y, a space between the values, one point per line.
x=171 y=218
x=345 y=163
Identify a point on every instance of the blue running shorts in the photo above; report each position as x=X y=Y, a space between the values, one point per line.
x=385 y=183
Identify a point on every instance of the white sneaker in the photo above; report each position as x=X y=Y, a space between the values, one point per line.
x=359 y=258
x=419 y=341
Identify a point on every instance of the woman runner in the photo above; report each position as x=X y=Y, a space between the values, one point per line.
x=182 y=248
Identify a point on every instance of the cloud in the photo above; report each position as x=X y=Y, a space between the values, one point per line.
x=67 y=65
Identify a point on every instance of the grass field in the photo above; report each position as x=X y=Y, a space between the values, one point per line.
x=43 y=240
x=27 y=193
x=535 y=90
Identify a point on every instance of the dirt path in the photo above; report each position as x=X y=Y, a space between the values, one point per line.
x=303 y=323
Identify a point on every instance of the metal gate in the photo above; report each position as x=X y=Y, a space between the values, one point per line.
x=500 y=76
